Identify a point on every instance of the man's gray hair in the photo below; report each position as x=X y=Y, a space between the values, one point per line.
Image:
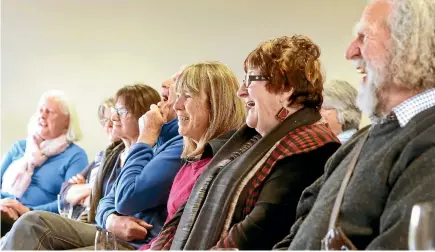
x=412 y=52
x=341 y=96
x=74 y=132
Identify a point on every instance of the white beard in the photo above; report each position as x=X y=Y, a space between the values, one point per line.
x=367 y=99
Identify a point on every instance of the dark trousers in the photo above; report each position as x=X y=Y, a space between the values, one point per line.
x=6 y=224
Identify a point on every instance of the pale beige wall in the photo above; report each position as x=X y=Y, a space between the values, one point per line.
x=90 y=48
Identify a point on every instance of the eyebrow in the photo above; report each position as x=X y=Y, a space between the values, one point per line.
x=358 y=28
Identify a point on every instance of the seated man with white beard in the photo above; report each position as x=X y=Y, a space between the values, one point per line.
x=364 y=198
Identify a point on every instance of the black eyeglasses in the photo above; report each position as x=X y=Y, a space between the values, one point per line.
x=250 y=78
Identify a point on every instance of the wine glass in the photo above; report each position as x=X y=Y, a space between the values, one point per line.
x=104 y=240
x=65 y=208
x=422 y=227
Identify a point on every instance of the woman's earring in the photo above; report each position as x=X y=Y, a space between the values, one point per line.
x=282 y=114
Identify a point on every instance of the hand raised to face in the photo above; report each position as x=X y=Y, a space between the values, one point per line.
x=150 y=125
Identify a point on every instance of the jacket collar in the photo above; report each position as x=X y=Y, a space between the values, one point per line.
x=212 y=147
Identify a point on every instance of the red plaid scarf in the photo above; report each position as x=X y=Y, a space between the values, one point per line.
x=303 y=139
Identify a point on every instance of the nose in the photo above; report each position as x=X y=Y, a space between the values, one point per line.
x=43 y=113
x=114 y=117
x=109 y=123
x=353 y=51
x=243 y=91
x=179 y=104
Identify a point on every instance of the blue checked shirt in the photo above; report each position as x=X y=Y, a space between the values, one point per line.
x=406 y=110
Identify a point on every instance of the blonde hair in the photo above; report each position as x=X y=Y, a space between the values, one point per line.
x=107 y=104
x=220 y=85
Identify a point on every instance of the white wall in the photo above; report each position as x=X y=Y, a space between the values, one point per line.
x=90 y=48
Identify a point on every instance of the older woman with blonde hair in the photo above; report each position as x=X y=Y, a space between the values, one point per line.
x=117 y=179
x=33 y=171
x=247 y=196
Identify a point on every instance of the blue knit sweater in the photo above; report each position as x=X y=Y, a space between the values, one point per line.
x=47 y=179
x=143 y=185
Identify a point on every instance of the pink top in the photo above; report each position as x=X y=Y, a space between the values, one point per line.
x=183 y=184
x=182 y=187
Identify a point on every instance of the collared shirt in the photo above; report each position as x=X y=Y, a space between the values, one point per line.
x=346 y=135
x=406 y=110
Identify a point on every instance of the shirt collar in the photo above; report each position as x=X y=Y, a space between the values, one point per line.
x=406 y=110
x=346 y=135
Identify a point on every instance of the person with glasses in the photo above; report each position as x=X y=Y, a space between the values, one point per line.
x=247 y=196
x=77 y=189
x=160 y=161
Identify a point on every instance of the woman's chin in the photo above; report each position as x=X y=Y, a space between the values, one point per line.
x=251 y=122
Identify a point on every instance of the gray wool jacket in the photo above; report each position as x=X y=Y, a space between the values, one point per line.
x=395 y=170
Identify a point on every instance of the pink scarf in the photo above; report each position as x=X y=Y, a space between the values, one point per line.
x=19 y=174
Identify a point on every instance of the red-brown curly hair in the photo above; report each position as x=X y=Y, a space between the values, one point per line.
x=291 y=63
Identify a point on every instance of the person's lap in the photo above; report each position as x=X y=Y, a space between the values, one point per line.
x=122 y=245
x=40 y=230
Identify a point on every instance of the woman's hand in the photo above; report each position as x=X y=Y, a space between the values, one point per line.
x=150 y=125
x=78 y=193
x=14 y=205
x=128 y=228
x=87 y=201
x=9 y=212
x=77 y=179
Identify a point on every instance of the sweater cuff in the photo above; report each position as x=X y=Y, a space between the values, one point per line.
x=105 y=216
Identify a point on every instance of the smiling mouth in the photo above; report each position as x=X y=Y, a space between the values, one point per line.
x=361 y=67
x=250 y=104
x=183 y=118
x=165 y=98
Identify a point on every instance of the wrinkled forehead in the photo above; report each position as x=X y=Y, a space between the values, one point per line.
x=374 y=15
x=51 y=103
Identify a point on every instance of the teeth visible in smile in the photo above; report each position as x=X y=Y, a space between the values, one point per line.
x=361 y=70
x=183 y=118
x=360 y=66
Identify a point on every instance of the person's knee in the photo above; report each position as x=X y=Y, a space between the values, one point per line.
x=30 y=216
x=28 y=221
x=26 y=232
